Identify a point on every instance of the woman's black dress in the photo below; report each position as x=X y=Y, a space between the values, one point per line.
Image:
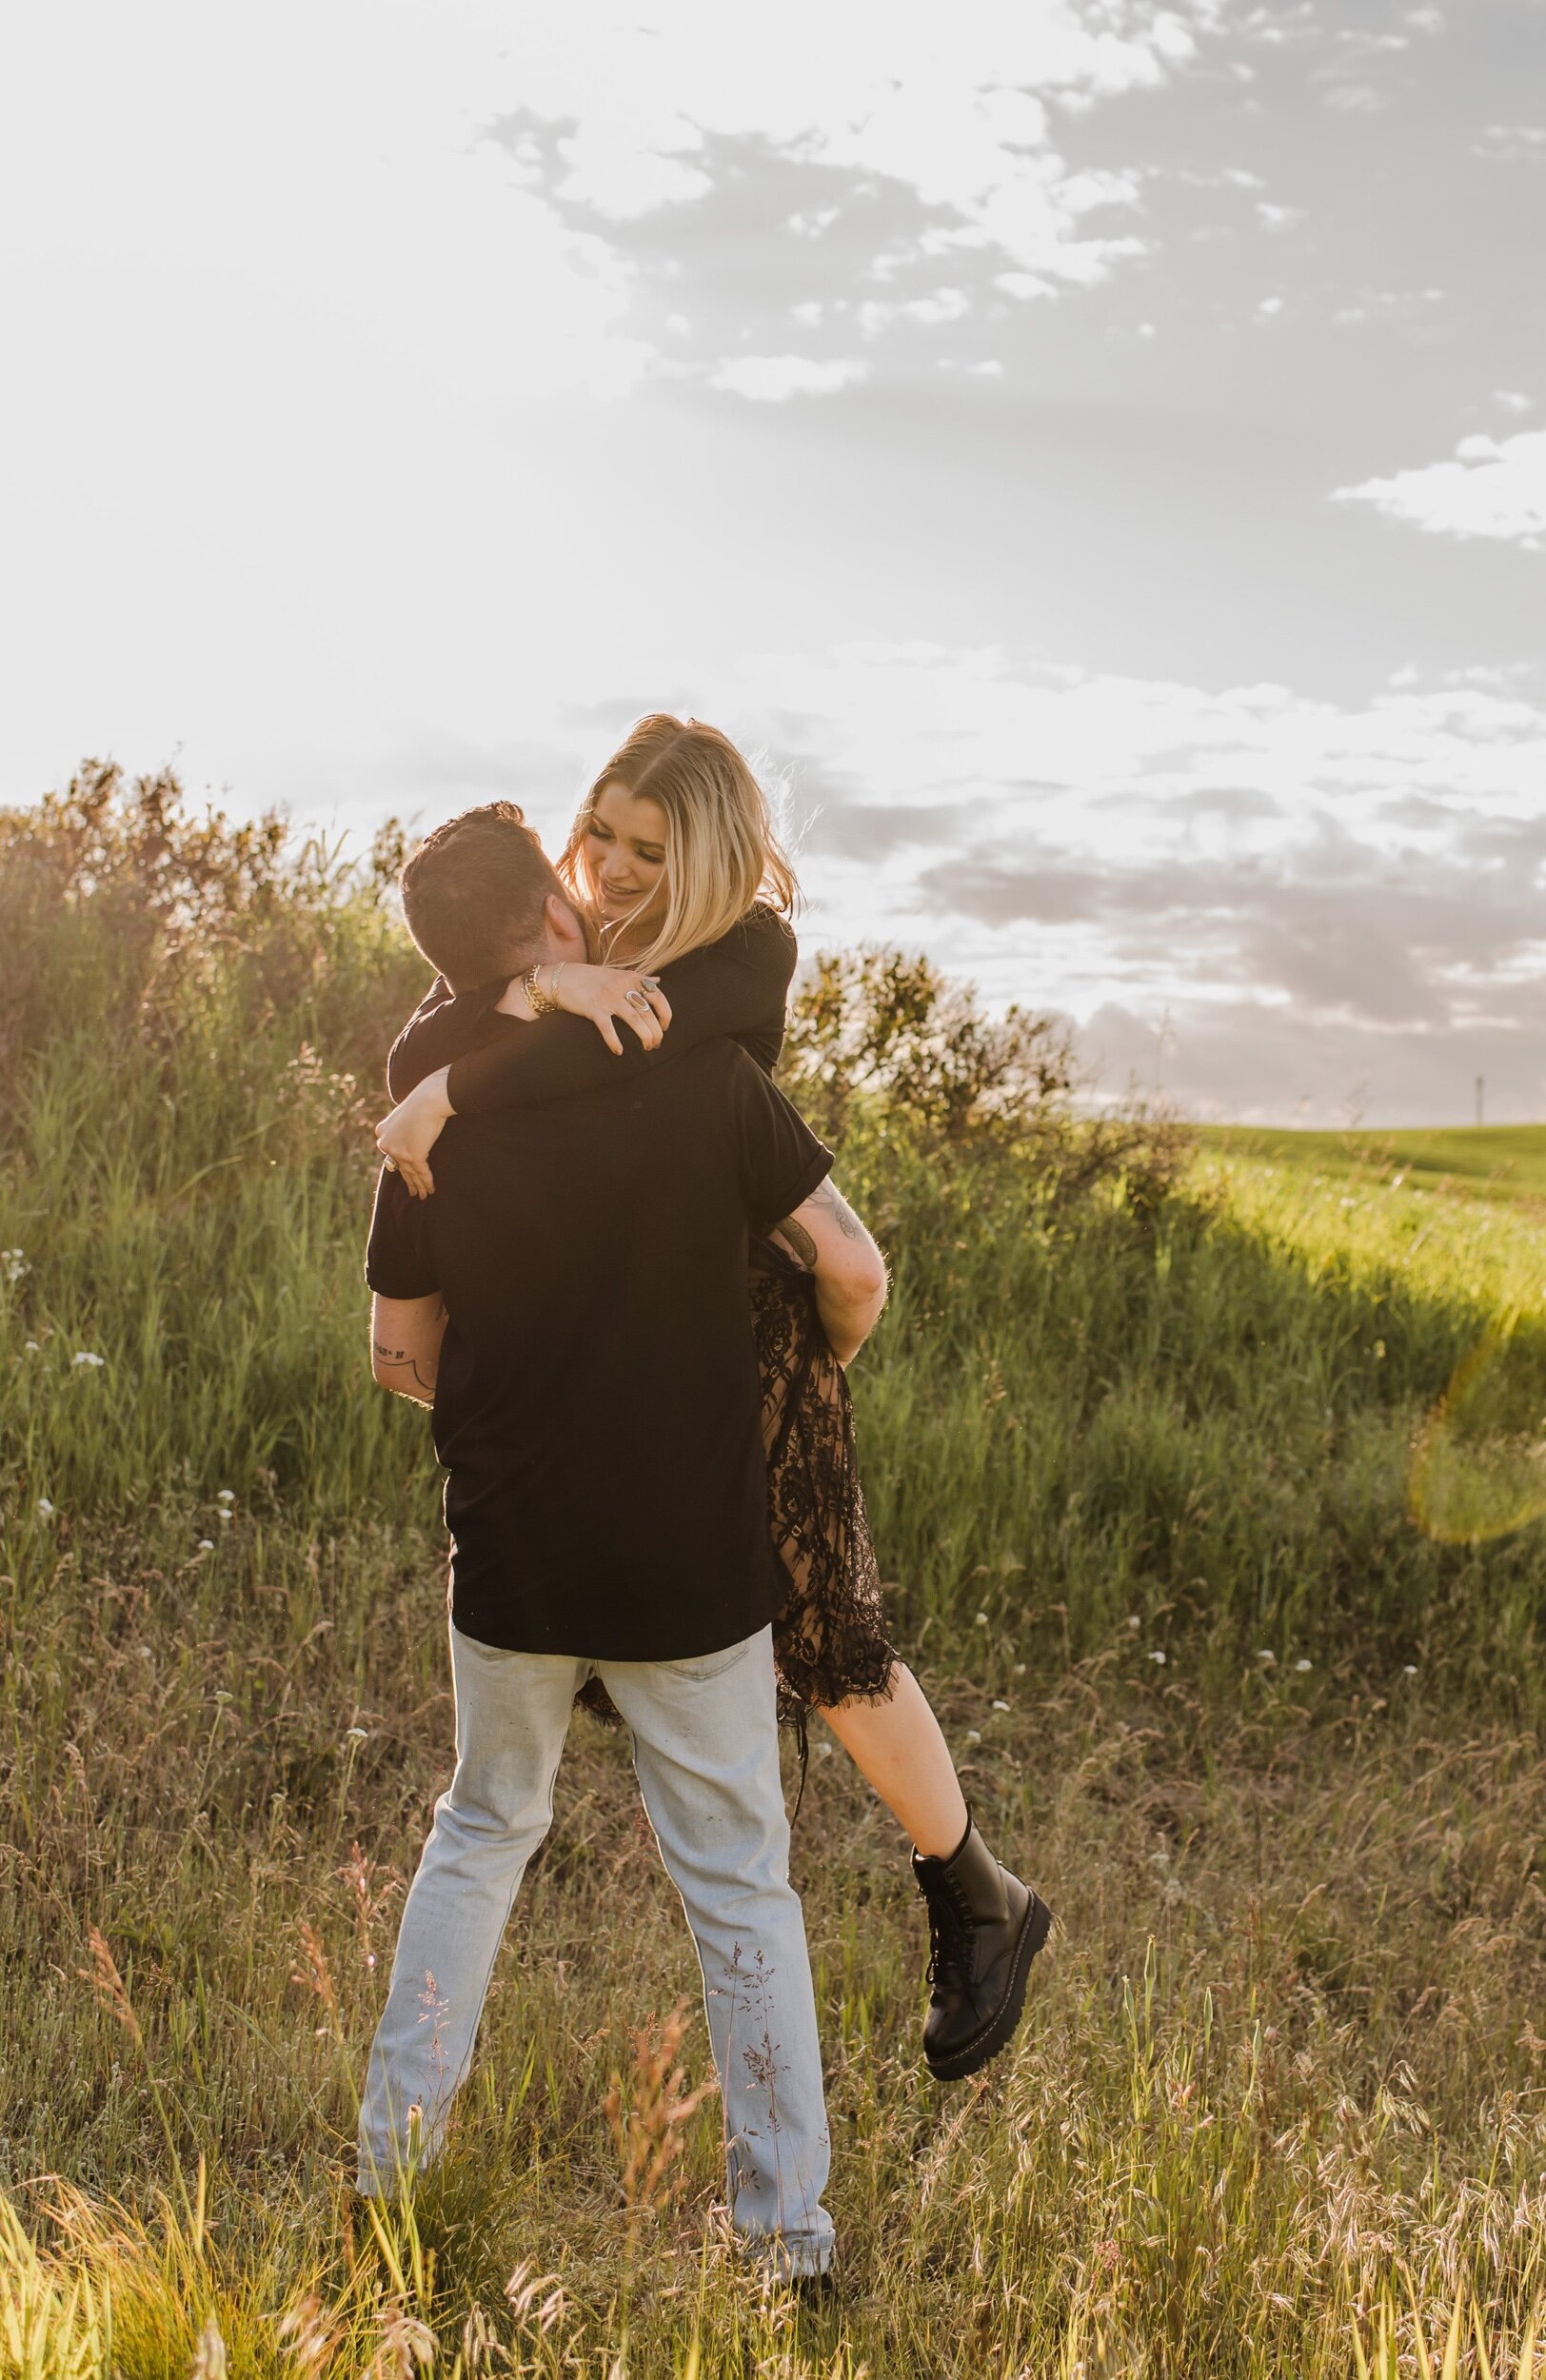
x=829 y=1639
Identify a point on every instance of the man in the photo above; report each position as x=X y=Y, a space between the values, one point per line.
x=573 y=1304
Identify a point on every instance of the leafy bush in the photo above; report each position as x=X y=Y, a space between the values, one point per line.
x=123 y=910
x=877 y=1033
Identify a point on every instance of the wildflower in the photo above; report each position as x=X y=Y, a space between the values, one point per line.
x=207 y=1545
x=226 y=1496
x=14 y=1262
x=974 y=1735
x=357 y=1736
x=31 y=1346
x=223 y=1696
x=1158 y=1657
x=1409 y=1669
x=1019 y=1669
x=1268 y=1657
x=45 y=1510
x=85 y=1356
x=1133 y=1621
x=1303 y=1665
x=981 y=1620
x=1001 y=1706
x=224 y=1515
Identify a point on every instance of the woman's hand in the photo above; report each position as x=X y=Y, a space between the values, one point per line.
x=603 y=994
x=406 y=1136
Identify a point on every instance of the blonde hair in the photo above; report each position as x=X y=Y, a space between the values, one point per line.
x=722 y=853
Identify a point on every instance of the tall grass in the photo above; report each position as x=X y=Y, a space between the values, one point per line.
x=1142 y=1478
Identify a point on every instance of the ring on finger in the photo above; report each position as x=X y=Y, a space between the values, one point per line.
x=390 y=1162
x=638 y=1000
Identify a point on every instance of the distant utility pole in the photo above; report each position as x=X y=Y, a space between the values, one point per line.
x=1481 y=1081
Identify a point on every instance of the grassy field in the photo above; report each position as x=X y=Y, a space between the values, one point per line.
x=1212 y=1534
x=1502 y=1161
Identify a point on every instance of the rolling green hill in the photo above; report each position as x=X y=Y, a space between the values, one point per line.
x=1495 y=1161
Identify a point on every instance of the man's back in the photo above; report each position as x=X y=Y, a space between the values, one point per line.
x=597 y=1406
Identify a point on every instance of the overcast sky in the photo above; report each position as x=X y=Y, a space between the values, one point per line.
x=1096 y=452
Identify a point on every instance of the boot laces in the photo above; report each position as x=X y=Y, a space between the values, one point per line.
x=950 y=1932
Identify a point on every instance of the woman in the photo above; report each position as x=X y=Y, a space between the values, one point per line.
x=674 y=858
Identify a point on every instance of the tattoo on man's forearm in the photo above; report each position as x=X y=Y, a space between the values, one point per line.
x=800 y=1239
x=829 y=1195
x=401 y=1355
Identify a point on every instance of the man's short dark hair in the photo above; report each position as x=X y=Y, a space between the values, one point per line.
x=473 y=895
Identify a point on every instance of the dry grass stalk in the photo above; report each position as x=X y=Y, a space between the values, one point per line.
x=209 y=2355
x=108 y=1985
x=316 y=1975
x=650 y=2127
x=310 y=2331
x=406 y=2345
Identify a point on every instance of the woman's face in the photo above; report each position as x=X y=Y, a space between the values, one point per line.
x=624 y=856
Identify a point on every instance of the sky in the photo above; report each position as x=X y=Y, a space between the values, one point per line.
x=1093 y=455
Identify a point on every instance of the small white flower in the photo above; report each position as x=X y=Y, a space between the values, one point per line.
x=45 y=1510
x=981 y=1620
x=223 y=1513
x=1268 y=1657
x=1001 y=1706
x=1158 y=1656
x=223 y=1696
x=31 y=1346
x=226 y=1496
x=1303 y=1665
x=357 y=1735
x=207 y=1545
x=14 y=1262
x=1019 y=1669
x=146 y=1654
x=974 y=1736
x=1409 y=1669
x=1133 y=1621
x=86 y=1355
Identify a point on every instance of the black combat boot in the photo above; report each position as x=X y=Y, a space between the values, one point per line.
x=985 y=1926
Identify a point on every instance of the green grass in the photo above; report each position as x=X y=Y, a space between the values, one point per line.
x=1505 y=1161
x=1282 y=2088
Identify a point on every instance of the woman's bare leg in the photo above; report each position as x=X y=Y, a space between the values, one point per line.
x=897 y=1745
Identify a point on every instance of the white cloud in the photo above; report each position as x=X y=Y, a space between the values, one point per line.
x=1356 y=99
x=876 y=87
x=1492 y=487
x=1512 y=144
x=770 y=379
x=1363 y=875
x=946 y=306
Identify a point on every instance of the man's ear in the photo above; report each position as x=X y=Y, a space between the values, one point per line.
x=562 y=921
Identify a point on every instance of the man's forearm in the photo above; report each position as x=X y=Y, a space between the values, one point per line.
x=408 y=1371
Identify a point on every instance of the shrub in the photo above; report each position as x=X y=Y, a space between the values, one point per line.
x=877 y=1032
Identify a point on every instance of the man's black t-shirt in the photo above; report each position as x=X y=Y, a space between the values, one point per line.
x=597 y=1408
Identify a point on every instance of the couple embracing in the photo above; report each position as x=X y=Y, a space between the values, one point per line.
x=628 y=1287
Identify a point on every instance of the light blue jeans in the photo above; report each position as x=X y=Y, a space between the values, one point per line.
x=705 y=1751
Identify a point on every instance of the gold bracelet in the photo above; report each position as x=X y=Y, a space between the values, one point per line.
x=542 y=1004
